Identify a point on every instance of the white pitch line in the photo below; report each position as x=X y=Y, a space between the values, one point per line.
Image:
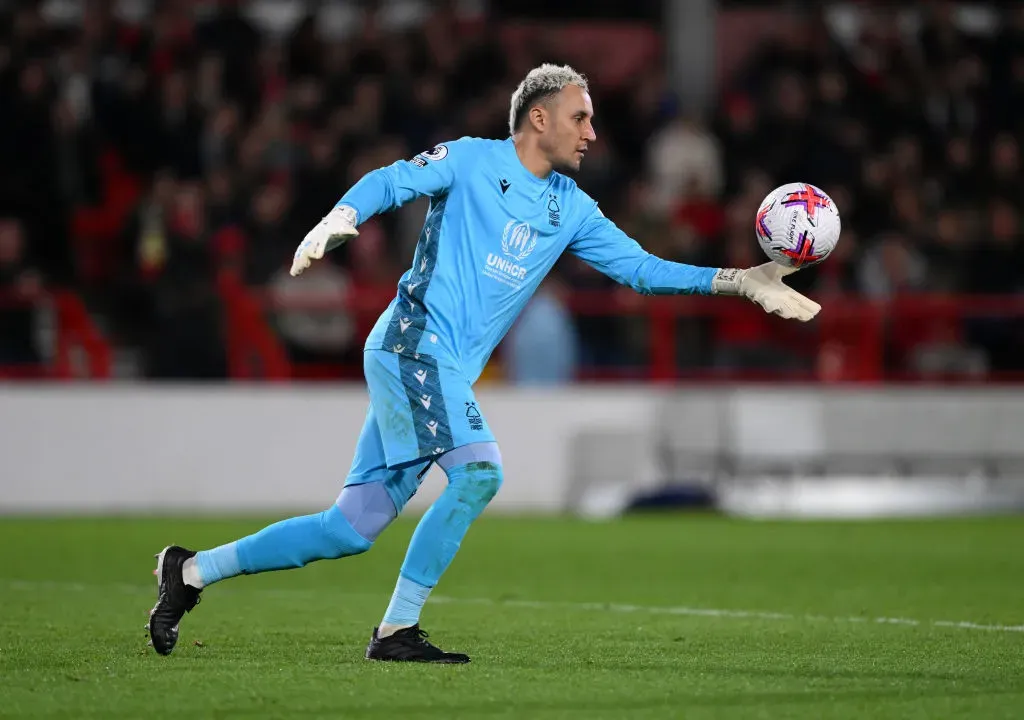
x=720 y=613
x=34 y=585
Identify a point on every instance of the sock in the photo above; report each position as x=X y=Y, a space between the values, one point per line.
x=437 y=538
x=190 y=573
x=290 y=543
x=405 y=606
x=209 y=566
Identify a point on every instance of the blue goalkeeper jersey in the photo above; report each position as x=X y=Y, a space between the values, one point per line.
x=492 y=232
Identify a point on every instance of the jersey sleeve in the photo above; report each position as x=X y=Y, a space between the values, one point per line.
x=431 y=173
x=602 y=245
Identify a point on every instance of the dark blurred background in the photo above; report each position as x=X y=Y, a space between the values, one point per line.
x=161 y=160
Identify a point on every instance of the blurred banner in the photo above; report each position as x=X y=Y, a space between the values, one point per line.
x=770 y=451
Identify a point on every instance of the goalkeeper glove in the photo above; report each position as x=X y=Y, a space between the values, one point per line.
x=337 y=228
x=763 y=284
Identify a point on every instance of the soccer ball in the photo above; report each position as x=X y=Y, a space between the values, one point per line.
x=797 y=225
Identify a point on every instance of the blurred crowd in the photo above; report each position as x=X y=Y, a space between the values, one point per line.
x=144 y=160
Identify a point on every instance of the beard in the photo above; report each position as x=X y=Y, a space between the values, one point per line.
x=567 y=167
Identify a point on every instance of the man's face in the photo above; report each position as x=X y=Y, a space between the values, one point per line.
x=11 y=242
x=569 y=130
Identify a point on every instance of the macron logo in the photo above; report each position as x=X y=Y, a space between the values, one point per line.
x=404 y=324
x=432 y=427
x=505 y=185
x=421 y=375
x=425 y=400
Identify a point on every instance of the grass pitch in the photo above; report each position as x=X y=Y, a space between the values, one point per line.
x=649 y=617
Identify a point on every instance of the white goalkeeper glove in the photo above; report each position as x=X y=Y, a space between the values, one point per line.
x=337 y=228
x=763 y=284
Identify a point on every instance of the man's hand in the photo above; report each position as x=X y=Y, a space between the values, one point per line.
x=763 y=284
x=337 y=228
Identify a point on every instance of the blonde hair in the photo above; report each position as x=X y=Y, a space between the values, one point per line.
x=539 y=85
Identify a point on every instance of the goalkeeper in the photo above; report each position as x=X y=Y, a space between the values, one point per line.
x=501 y=213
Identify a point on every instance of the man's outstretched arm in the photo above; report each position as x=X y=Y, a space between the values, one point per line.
x=602 y=245
x=431 y=173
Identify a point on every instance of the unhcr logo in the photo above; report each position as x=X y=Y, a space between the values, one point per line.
x=518 y=240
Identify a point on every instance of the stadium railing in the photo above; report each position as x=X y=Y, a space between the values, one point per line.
x=854 y=340
x=78 y=348
x=253 y=351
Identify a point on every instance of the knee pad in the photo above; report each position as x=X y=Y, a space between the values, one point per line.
x=477 y=482
x=344 y=539
x=367 y=508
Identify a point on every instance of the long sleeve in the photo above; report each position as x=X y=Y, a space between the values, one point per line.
x=431 y=173
x=603 y=246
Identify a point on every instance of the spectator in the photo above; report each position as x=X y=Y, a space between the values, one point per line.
x=270 y=232
x=684 y=159
x=892 y=266
x=114 y=127
x=186 y=339
x=20 y=288
x=319 y=329
x=542 y=346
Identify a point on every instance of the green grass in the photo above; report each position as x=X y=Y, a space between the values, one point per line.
x=538 y=604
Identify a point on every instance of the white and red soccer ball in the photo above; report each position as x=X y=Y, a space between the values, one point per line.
x=797 y=225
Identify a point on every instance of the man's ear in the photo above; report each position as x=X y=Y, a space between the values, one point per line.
x=538 y=117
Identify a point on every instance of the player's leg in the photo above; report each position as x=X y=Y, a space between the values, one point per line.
x=348 y=527
x=474 y=471
x=474 y=477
